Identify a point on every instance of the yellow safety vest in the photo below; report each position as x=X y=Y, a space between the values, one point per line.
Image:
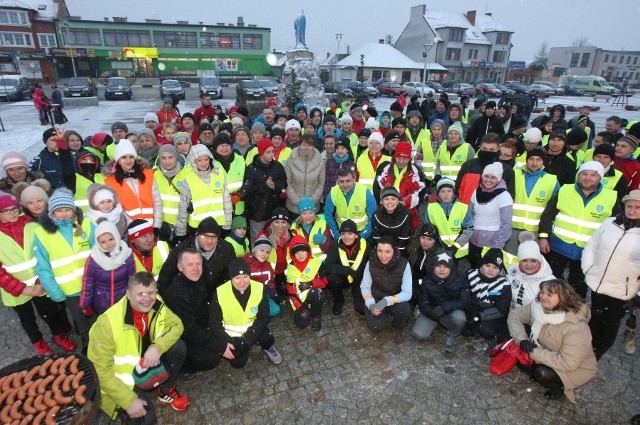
x=82 y=186
x=521 y=160
x=207 y=200
x=528 y=209
x=423 y=145
x=235 y=320
x=20 y=262
x=319 y=226
x=356 y=210
x=170 y=197
x=450 y=228
x=239 y=250
x=67 y=262
x=576 y=222
x=578 y=158
x=366 y=172
x=158 y=257
x=98 y=153
x=285 y=153
x=610 y=182
x=235 y=177
x=355 y=263
x=450 y=164
x=295 y=276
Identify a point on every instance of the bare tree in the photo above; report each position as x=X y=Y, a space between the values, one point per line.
x=542 y=55
x=388 y=38
x=582 y=41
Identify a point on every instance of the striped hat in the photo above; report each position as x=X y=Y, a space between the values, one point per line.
x=139 y=227
x=61 y=198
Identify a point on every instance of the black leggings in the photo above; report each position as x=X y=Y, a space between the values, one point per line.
x=336 y=285
x=606 y=314
x=558 y=262
x=54 y=315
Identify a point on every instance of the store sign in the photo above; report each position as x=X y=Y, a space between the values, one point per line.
x=226 y=64
x=517 y=65
x=140 y=52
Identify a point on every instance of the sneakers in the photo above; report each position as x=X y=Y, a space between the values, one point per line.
x=273 y=354
x=449 y=343
x=337 y=308
x=398 y=336
x=629 y=341
x=178 y=401
x=64 y=342
x=316 y=324
x=42 y=348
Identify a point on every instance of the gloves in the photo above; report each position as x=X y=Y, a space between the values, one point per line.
x=303 y=286
x=166 y=232
x=380 y=305
x=235 y=198
x=319 y=239
x=87 y=312
x=527 y=346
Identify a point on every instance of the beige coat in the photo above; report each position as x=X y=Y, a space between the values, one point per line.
x=305 y=177
x=566 y=347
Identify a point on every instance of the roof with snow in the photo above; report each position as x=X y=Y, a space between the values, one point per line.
x=439 y=19
x=486 y=23
x=47 y=9
x=377 y=55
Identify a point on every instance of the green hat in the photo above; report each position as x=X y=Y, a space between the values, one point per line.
x=238 y=223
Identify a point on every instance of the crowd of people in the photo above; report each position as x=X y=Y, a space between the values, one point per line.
x=171 y=248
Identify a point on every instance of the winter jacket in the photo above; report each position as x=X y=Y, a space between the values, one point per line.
x=630 y=168
x=15 y=231
x=483 y=125
x=262 y=272
x=259 y=199
x=470 y=175
x=451 y=293
x=204 y=111
x=412 y=186
x=333 y=264
x=165 y=116
x=561 y=166
x=561 y=124
x=564 y=347
x=490 y=298
x=305 y=177
x=39 y=100
x=101 y=288
x=53 y=166
x=491 y=220
x=6 y=184
x=611 y=260
x=397 y=225
x=391 y=281
x=331 y=173
x=524 y=287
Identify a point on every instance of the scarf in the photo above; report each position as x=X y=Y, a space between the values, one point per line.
x=205 y=254
x=109 y=261
x=486 y=195
x=172 y=172
x=339 y=160
x=112 y=216
x=150 y=154
x=541 y=318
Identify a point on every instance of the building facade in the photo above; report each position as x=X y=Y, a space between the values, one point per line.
x=613 y=65
x=472 y=47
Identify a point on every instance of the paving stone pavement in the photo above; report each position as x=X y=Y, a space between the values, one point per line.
x=345 y=375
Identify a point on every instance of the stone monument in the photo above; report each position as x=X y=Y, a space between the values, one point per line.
x=301 y=72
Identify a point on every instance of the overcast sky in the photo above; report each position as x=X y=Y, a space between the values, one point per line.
x=558 y=21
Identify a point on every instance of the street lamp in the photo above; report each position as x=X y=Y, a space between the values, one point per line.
x=66 y=44
x=338 y=39
x=427 y=47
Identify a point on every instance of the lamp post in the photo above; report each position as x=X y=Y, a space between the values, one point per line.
x=427 y=47
x=66 y=43
x=338 y=39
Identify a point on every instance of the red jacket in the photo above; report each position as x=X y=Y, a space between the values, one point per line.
x=171 y=115
x=630 y=168
x=204 y=111
x=263 y=273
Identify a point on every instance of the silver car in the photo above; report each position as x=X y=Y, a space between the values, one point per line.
x=171 y=87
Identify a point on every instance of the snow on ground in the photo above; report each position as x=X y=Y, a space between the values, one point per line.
x=23 y=131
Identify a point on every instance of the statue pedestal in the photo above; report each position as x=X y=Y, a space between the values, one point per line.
x=307 y=73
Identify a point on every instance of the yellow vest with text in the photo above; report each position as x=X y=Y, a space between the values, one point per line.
x=235 y=320
x=450 y=164
x=366 y=172
x=207 y=200
x=170 y=197
x=610 y=182
x=235 y=177
x=428 y=162
x=319 y=226
x=356 y=210
x=159 y=256
x=20 y=262
x=295 y=276
x=356 y=262
x=450 y=228
x=238 y=249
x=528 y=209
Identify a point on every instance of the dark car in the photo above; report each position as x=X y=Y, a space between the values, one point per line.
x=171 y=88
x=80 y=86
x=391 y=89
x=490 y=89
x=117 y=88
x=366 y=88
x=504 y=89
x=270 y=87
x=211 y=86
x=249 y=90
x=571 y=90
x=337 y=88
x=15 y=87
x=463 y=89
x=435 y=85
x=379 y=81
x=518 y=87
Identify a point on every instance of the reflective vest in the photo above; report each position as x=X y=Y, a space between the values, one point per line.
x=450 y=164
x=356 y=210
x=97 y=152
x=356 y=262
x=235 y=177
x=295 y=276
x=319 y=227
x=366 y=172
x=207 y=201
x=158 y=257
x=588 y=154
x=424 y=136
x=251 y=153
x=577 y=157
x=521 y=160
x=136 y=205
x=20 y=262
x=82 y=186
x=284 y=155
x=423 y=146
x=239 y=250
x=610 y=182
x=509 y=259
x=528 y=209
x=170 y=197
x=235 y=320
x=449 y=228
x=576 y=222
x=67 y=261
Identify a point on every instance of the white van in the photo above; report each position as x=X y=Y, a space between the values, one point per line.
x=591 y=84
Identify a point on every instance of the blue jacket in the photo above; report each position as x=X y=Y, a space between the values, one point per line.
x=49 y=164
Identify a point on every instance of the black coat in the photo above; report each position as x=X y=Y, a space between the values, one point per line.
x=483 y=125
x=451 y=294
x=259 y=199
x=397 y=225
x=333 y=264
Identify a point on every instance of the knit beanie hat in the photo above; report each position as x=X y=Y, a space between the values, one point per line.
x=391 y=134
x=221 y=139
x=329 y=118
x=237 y=122
x=263 y=145
x=389 y=191
x=442 y=258
x=445 y=182
x=576 y=136
x=605 y=149
x=209 y=225
x=438 y=123
x=414 y=113
x=258 y=126
x=7 y=200
x=292 y=124
x=49 y=132
x=298 y=243
x=376 y=137
x=306 y=204
x=237 y=267
x=349 y=226
x=262 y=242
x=181 y=136
x=149 y=133
x=429 y=230
x=494 y=169
x=532 y=135
x=170 y=149
x=528 y=248
x=592 y=166
x=32 y=192
x=139 y=227
x=151 y=116
x=239 y=222
x=399 y=121
x=101 y=195
x=100 y=139
x=241 y=128
x=343 y=141
x=403 y=150
x=124 y=147
x=455 y=127
x=277 y=131
x=538 y=152
x=280 y=213
x=61 y=198
x=371 y=124
x=189 y=115
x=13 y=159
x=395 y=106
x=119 y=125
x=243 y=110
x=493 y=256
x=204 y=127
x=196 y=152
x=630 y=140
x=346 y=118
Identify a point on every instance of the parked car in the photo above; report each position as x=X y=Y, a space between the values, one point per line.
x=360 y=87
x=541 y=90
x=462 y=89
x=211 y=85
x=518 y=87
x=490 y=89
x=417 y=88
x=571 y=90
x=435 y=85
x=506 y=91
x=391 y=89
x=15 y=87
x=337 y=88
x=171 y=87
x=80 y=86
x=559 y=91
x=379 y=81
x=270 y=87
x=117 y=88
x=249 y=90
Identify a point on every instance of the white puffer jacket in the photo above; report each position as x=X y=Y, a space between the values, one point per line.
x=524 y=287
x=611 y=260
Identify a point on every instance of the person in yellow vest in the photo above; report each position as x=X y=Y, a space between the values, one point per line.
x=240 y=315
x=613 y=179
x=167 y=180
x=203 y=193
x=281 y=151
x=98 y=144
x=87 y=174
x=61 y=247
x=415 y=132
x=148 y=254
x=313 y=228
x=452 y=154
x=344 y=266
x=136 y=335
x=346 y=124
x=532 y=139
x=534 y=189
x=571 y=217
x=367 y=163
x=233 y=165
x=238 y=236
x=575 y=141
x=20 y=289
x=600 y=138
x=305 y=284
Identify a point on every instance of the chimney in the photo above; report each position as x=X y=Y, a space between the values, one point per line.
x=381 y=40
x=328 y=55
x=240 y=21
x=471 y=17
